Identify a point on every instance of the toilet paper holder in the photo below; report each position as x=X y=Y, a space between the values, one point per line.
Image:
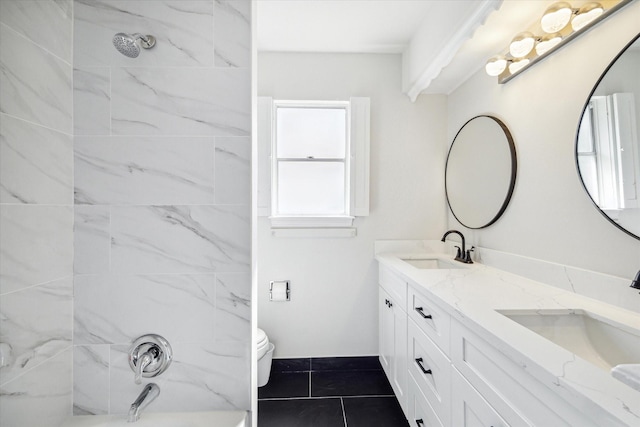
x=279 y=290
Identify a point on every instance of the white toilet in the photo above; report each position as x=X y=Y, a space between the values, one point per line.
x=265 y=355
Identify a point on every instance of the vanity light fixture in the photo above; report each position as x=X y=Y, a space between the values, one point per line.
x=556 y=17
x=522 y=44
x=526 y=48
x=518 y=65
x=585 y=15
x=496 y=65
x=548 y=42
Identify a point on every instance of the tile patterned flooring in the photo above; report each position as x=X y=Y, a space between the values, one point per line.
x=328 y=392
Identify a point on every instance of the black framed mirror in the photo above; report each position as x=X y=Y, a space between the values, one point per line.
x=480 y=172
x=607 y=149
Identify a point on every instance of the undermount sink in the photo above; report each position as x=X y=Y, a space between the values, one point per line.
x=598 y=340
x=433 y=263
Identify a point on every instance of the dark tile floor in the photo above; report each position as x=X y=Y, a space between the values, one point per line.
x=328 y=392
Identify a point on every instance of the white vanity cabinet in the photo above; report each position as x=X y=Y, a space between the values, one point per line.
x=468 y=363
x=470 y=409
x=439 y=395
x=392 y=332
x=518 y=398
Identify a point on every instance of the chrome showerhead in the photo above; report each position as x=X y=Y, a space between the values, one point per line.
x=127 y=44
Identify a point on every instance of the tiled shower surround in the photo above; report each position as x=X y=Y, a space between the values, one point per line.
x=160 y=206
x=36 y=211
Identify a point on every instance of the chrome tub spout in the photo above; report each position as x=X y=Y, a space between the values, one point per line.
x=148 y=395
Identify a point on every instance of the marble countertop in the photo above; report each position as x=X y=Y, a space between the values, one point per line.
x=473 y=294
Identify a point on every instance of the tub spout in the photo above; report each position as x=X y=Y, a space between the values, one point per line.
x=148 y=395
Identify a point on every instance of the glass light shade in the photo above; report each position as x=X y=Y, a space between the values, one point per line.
x=547 y=43
x=516 y=66
x=496 y=65
x=522 y=44
x=556 y=17
x=586 y=15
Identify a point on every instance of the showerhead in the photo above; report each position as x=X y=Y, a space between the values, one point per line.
x=127 y=44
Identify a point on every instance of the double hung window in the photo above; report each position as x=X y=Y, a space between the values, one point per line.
x=318 y=160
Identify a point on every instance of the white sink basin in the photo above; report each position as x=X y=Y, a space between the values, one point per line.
x=433 y=263
x=598 y=340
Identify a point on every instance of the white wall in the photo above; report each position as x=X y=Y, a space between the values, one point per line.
x=333 y=307
x=550 y=216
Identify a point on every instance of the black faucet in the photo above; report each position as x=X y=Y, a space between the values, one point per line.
x=463 y=255
x=635 y=283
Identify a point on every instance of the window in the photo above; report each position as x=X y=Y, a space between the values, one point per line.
x=316 y=153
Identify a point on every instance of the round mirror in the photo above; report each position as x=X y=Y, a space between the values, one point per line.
x=480 y=172
x=607 y=144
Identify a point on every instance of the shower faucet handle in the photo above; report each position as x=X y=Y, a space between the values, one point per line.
x=149 y=356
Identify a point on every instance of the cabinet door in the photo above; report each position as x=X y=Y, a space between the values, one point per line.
x=469 y=409
x=393 y=345
x=385 y=331
x=398 y=365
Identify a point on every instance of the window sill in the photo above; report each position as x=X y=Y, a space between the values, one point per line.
x=314 y=233
x=313 y=226
x=311 y=221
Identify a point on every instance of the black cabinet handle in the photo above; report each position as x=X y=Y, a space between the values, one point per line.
x=390 y=304
x=424 y=371
x=421 y=311
x=419 y=422
x=386 y=302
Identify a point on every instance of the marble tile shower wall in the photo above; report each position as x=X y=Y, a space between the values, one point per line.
x=36 y=211
x=162 y=202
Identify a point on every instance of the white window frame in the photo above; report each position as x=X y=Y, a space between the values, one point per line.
x=356 y=165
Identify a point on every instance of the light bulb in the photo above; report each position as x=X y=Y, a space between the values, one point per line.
x=516 y=66
x=556 y=17
x=547 y=43
x=586 y=15
x=496 y=65
x=522 y=44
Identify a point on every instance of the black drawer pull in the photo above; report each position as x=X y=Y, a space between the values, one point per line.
x=419 y=422
x=424 y=371
x=421 y=311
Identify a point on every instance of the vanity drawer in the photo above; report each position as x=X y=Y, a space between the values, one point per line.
x=420 y=414
x=395 y=286
x=516 y=395
x=431 y=370
x=430 y=318
x=469 y=408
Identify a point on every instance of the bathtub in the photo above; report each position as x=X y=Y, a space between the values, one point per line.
x=160 y=419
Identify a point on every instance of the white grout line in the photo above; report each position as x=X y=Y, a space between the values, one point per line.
x=344 y=415
x=325 y=397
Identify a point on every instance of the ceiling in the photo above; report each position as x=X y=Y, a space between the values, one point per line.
x=443 y=42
